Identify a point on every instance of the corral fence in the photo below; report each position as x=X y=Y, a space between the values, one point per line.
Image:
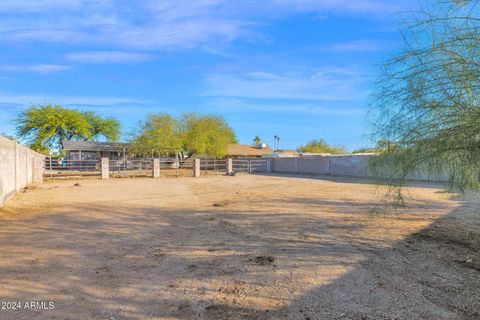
x=61 y=168
x=174 y=167
x=131 y=168
x=213 y=166
x=151 y=167
x=251 y=165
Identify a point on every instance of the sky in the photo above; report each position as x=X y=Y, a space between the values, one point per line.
x=299 y=69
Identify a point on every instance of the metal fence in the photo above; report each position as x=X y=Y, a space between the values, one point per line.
x=131 y=168
x=175 y=167
x=250 y=165
x=169 y=167
x=213 y=166
x=60 y=168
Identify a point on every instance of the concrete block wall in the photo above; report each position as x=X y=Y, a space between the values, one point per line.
x=311 y=165
x=351 y=165
x=19 y=166
x=285 y=165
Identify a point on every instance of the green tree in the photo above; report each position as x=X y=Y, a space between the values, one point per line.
x=45 y=127
x=426 y=101
x=257 y=140
x=160 y=132
x=321 y=146
x=108 y=128
x=381 y=147
x=206 y=134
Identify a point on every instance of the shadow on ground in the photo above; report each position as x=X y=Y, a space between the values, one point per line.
x=149 y=263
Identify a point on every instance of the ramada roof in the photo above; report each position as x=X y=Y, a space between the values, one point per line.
x=93 y=145
x=235 y=150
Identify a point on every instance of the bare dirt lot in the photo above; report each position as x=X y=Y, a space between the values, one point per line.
x=244 y=247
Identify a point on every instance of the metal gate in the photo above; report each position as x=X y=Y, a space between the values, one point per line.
x=175 y=167
x=213 y=166
x=250 y=165
x=61 y=168
x=131 y=168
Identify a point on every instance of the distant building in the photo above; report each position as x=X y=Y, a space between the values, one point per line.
x=93 y=150
x=244 y=150
x=282 y=154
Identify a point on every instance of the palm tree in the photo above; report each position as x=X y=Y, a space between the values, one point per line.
x=276 y=139
x=257 y=140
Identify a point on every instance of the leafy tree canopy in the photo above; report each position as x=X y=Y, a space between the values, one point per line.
x=192 y=133
x=45 y=127
x=321 y=146
x=206 y=134
x=381 y=147
x=108 y=128
x=426 y=101
x=160 y=132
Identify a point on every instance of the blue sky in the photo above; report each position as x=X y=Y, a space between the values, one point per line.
x=299 y=69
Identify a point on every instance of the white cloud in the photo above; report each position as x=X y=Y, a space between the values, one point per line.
x=364 y=45
x=35 y=68
x=152 y=24
x=31 y=99
x=107 y=56
x=326 y=84
x=42 y=5
x=345 y=6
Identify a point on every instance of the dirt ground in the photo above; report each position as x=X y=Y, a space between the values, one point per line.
x=244 y=247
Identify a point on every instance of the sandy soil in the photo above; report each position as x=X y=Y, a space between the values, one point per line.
x=244 y=247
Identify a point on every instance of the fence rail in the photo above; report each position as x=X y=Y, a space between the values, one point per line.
x=54 y=168
x=213 y=166
x=131 y=168
x=58 y=168
x=174 y=167
x=251 y=165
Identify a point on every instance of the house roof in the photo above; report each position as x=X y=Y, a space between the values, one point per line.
x=93 y=145
x=244 y=150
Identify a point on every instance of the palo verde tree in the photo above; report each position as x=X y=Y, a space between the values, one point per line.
x=206 y=134
x=45 y=127
x=108 y=128
x=159 y=132
x=427 y=101
x=190 y=134
x=320 y=146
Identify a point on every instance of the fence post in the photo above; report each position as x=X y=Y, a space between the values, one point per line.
x=156 y=168
x=229 y=166
x=105 y=168
x=269 y=165
x=196 y=167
